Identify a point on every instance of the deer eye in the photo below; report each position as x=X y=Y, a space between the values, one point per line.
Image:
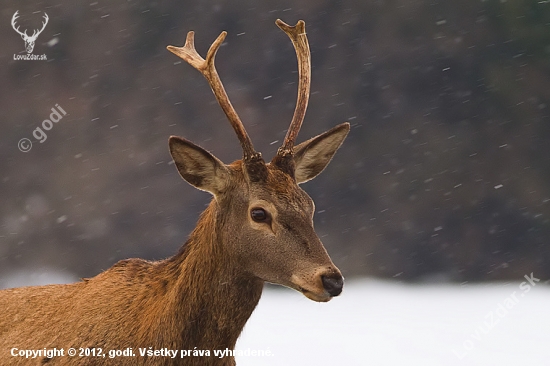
x=259 y=215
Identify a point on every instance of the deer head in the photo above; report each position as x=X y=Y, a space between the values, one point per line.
x=29 y=40
x=266 y=217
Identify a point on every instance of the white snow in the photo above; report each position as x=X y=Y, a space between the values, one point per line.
x=378 y=322
x=39 y=277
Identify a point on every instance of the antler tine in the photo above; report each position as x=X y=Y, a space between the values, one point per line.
x=45 y=22
x=208 y=70
x=297 y=35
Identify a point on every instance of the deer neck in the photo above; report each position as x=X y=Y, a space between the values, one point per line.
x=212 y=295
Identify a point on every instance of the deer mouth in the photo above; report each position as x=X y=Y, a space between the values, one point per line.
x=315 y=294
x=322 y=297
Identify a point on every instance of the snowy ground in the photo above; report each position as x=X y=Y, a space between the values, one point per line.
x=379 y=323
x=386 y=323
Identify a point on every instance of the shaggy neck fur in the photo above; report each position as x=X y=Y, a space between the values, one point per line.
x=211 y=298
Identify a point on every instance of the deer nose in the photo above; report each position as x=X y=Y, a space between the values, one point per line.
x=333 y=283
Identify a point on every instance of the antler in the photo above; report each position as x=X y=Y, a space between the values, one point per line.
x=13 y=19
x=208 y=70
x=297 y=35
x=36 y=33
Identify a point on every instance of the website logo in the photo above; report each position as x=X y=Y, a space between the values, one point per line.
x=29 y=40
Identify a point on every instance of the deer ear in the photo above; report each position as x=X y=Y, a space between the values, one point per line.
x=312 y=156
x=197 y=166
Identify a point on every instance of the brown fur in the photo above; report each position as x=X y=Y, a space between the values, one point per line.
x=193 y=299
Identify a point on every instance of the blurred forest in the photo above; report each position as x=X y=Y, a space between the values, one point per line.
x=445 y=174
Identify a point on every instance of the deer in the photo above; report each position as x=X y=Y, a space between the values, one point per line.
x=29 y=40
x=257 y=228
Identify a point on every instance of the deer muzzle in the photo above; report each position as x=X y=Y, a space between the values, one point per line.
x=322 y=286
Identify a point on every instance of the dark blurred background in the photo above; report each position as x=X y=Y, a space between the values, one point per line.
x=444 y=176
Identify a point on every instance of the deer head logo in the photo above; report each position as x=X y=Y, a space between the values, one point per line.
x=29 y=40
